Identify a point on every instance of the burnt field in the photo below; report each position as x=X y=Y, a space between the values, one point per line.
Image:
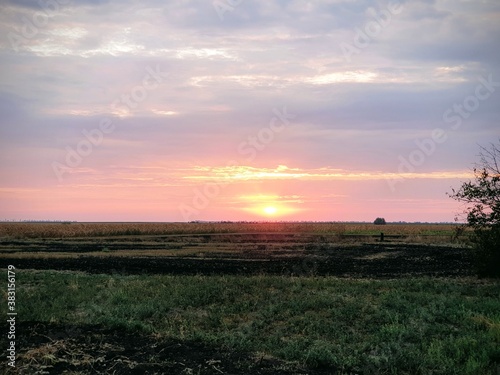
x=241 y=254
x=259 y=298
x=91 y=349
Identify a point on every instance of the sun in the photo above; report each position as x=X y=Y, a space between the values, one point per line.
x=270 y=210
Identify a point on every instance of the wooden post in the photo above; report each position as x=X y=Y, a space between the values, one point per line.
x=381 y=236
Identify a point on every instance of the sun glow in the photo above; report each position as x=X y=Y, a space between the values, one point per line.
x=271 y=206
x=270 y=210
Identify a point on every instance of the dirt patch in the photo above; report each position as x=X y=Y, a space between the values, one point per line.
x=57 y=349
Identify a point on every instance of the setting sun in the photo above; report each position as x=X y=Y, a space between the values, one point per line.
x=270 y=210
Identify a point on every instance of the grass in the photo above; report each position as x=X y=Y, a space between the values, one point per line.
x=404 y=326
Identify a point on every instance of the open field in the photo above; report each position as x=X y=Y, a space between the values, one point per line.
x=236 y=248
x=230 y=298
x=66 y=230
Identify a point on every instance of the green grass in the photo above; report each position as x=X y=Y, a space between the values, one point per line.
x=405 y=326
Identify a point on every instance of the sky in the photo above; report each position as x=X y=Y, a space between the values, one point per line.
x=327 y=110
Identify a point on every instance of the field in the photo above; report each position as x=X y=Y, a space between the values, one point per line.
x=68 y=230
x=248 y=298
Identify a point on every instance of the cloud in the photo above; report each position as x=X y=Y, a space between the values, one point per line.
x=282 y=172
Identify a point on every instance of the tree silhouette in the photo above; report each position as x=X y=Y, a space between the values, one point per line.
x=482 y=199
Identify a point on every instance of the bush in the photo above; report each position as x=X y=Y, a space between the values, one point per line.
x=487 y=251
x=379 y=221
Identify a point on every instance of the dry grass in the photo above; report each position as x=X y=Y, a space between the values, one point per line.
x=492 y=325
x=60 y=230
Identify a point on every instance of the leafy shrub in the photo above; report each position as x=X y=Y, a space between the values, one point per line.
x=487 y=251
x=379 y=221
